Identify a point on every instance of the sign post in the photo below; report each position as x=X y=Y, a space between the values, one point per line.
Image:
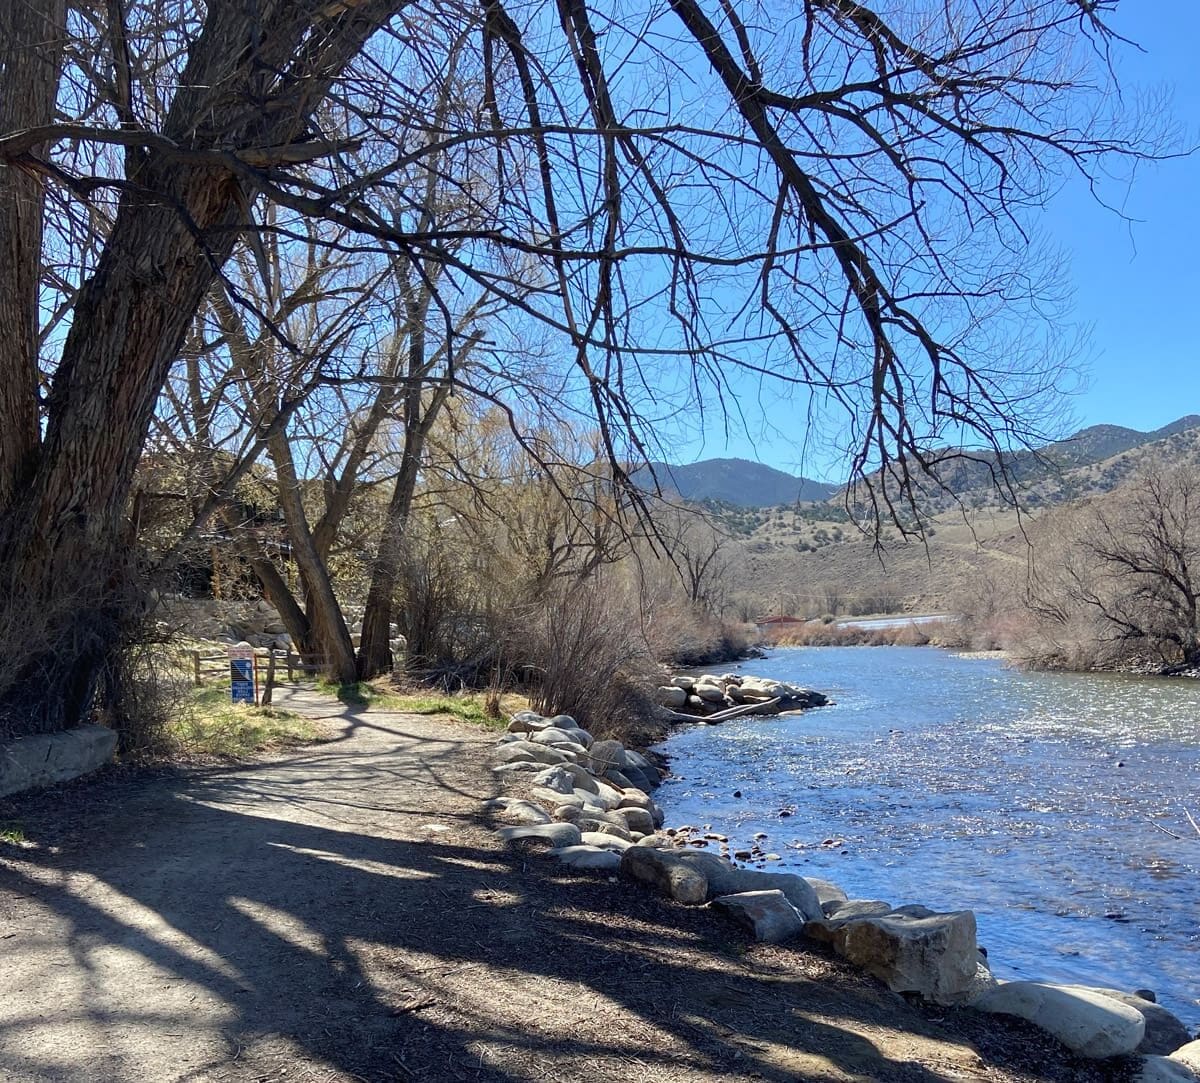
x=242 y=675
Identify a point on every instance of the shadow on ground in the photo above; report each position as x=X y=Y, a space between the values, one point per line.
x=340 y=914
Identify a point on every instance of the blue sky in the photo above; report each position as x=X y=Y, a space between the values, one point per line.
x=1136 y=284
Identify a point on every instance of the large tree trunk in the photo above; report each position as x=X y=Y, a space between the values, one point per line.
x=323 y=609
x=31 y=38
x=176 y=224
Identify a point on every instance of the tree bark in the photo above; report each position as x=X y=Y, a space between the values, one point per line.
x=175 y=226
x=31 y=37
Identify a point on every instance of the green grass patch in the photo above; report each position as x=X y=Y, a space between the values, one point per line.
x=12 y=833
x=465 y=706
x=210 y=725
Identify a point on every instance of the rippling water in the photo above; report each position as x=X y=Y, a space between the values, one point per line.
x=1041 y=801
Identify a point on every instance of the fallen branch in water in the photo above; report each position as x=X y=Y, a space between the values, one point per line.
x=770 y=706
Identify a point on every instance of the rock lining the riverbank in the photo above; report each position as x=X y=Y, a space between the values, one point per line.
x=599 y=814
x=711 y=699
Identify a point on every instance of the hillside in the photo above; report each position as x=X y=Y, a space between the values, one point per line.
x=809 y=559
x=738 y=482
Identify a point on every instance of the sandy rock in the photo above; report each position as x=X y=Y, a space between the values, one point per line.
x=636 y=819
x=556 y=834
x=823 y=929
x=767 y=914
x=915 y=951
x=635 y=798
x=709 y=693
x=587 y=857
x=1154 y=1069
x=686 y=683
x=724 y=879
x=665 y=871
x=606 y=841
x=1189 y=1056
x=606 y=796
x=1164 y=1032
x=1086 y=1022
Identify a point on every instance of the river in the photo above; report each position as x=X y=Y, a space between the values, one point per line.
x=1041 y=801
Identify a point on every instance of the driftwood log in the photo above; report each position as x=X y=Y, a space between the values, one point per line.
x=770 y=706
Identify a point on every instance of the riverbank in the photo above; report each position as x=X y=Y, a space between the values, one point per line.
x=344 y=912
x=1051 y=804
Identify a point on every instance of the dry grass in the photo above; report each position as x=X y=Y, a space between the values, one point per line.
x=210 y=726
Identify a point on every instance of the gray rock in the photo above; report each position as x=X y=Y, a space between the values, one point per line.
x=827 y=892
x=580 y=736
x=555 y=834
x=671 y=696
x=633 y=798
x=551 y=735
x=1164 y=1032
x=926 y=953
x=666 y=872
x=588 y=857
x=607 y=796
x=556 y=779
x=607 y=841
x=564 y=722
x=1086 y=1022
x=527 y=750
x=620 y=780
x=1154 y=1069
x=517 y=811
x=636 y=819
x=607 y=756
x=47 y=758
x=767 y=914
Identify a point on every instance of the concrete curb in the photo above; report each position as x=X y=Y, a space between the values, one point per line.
x=47 y=758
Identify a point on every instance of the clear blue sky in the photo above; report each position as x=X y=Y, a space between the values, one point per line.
x=1137 y=286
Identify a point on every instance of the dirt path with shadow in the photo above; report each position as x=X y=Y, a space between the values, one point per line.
x=342 y=913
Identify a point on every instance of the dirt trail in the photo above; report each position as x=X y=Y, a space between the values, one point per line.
x=340 y=913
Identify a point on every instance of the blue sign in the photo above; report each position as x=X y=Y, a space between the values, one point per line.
x=241 y=680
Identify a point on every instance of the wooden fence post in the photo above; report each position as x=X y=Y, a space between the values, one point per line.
x=196 y=666
x=266 y=695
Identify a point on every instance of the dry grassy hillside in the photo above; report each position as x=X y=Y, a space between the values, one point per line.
x=809 y=559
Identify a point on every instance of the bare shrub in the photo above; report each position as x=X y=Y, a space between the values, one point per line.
x=583 y=654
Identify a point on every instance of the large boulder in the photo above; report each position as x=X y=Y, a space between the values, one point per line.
x=1086 y=1022
x=828 y=893
x=709 y=693
x=607 y=756
x=527 y=722
x=1164 y=1032
x=914 y=950
x=552 y=735
x=823 y=929
x=767 y=914
x=636 y=819
x=666 y=872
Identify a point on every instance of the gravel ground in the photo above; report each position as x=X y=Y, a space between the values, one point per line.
x=342 y=912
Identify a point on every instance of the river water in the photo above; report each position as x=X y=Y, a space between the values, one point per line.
x=1041 y=801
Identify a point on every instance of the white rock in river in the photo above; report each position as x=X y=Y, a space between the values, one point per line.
x=767 y=914
x=1086 y=1022
x=671 y=696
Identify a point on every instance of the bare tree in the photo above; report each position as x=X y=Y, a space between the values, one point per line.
x=852 y=182
x=1136 y=565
